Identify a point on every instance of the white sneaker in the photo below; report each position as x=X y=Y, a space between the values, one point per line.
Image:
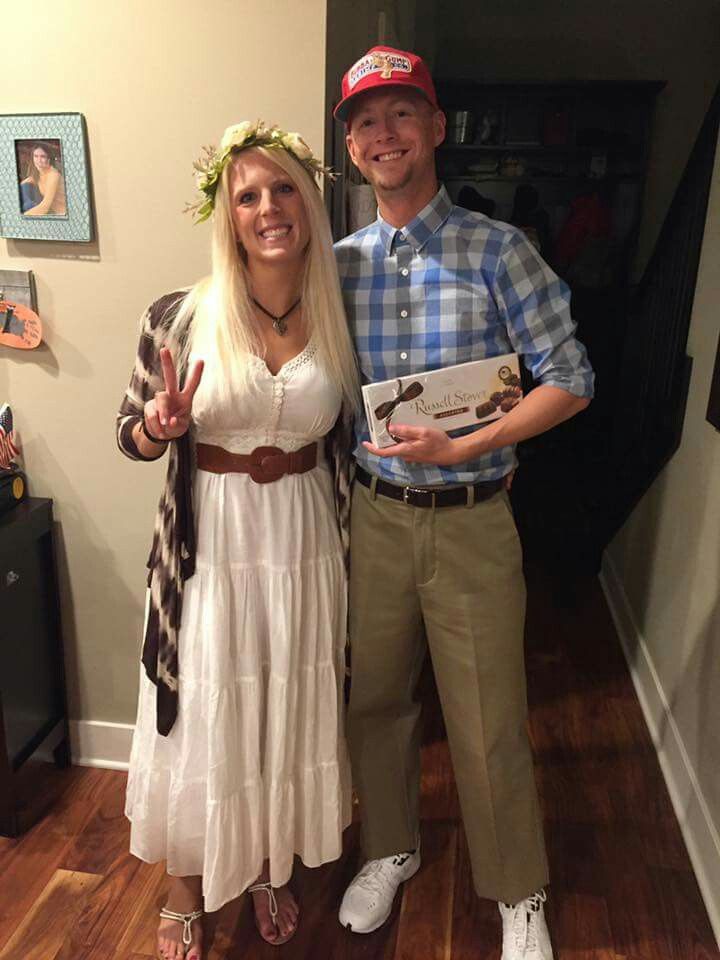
x=369 y=898
x=525 y=933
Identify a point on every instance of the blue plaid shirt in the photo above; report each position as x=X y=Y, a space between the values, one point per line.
x=450 y=287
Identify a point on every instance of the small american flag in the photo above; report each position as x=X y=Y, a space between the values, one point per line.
x=8 y=450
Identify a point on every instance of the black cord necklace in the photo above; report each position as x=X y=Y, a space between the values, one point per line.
x=279 y=325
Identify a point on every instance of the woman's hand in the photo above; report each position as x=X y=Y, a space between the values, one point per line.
x=167 y=415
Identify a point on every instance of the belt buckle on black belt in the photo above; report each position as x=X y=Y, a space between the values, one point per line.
x=408 y=490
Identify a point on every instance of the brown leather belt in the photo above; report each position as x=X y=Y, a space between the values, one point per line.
x=264 y=464
x=428 y=497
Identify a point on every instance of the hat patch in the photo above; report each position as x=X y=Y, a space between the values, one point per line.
x=382 y=63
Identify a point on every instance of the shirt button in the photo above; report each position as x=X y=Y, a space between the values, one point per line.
x=403 y=313
x=404 y=271
x=403 y=356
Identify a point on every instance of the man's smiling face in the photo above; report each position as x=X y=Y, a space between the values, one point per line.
x=392 y=136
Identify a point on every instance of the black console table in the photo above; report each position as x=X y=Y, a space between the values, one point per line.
x=33 y=711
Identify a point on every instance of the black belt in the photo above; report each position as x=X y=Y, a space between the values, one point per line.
x=425 y=497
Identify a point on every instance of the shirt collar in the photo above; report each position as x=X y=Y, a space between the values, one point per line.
x=421 y=227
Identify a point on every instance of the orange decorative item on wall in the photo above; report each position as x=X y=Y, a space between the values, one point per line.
x=20 y=326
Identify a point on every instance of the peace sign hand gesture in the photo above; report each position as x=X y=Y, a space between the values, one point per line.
x=167 y=415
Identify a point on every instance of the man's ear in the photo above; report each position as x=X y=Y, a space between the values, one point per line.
x=351 y=148
x=439 y=122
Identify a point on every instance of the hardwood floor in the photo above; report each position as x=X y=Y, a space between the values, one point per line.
x=622 y=886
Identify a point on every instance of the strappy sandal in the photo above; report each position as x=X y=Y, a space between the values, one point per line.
x=268 y=888
x=186 y=919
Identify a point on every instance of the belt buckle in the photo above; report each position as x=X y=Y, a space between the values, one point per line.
x=408 y=490
x=259 y=470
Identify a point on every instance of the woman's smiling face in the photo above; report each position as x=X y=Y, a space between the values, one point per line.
x=41 y=159
x=267 y=210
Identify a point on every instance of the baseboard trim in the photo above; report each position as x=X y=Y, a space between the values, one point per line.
x=94 y=743
x=694 y=816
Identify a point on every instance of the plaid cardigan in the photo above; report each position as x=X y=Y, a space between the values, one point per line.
x=172 y=555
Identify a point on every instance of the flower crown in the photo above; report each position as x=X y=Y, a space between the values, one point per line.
x=211 y=164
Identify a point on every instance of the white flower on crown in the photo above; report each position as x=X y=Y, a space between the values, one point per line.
x=294 y=142
x=237 y=134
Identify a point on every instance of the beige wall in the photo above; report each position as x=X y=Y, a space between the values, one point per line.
x=673 y=40
x=155 y=81
x=667 y=558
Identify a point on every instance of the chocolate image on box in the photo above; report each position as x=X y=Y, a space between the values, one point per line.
x=509 y=378
x=485 y=409
x=504 y=399
x=385 y=410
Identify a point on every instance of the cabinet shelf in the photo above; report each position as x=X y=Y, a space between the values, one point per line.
x=529 y=178
x=634 y=150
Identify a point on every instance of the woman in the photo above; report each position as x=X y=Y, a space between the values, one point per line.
x=42 y=192
x=238 y=758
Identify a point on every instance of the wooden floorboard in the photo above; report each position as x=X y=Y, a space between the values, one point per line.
x=103 y=849
x=622 y=885
x=27 y=864
x=426 y=914
x=48 y=930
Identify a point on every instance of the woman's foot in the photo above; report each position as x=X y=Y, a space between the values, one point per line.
x=276 y=911
x=184 y=897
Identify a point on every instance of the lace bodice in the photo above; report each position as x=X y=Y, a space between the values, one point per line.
x=290 y=409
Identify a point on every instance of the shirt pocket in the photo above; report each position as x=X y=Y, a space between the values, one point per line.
x=468 y=318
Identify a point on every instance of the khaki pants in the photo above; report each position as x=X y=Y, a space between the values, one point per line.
x=457 y=571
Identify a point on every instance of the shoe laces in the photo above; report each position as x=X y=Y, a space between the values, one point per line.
x=524 y=921
x=376 y=875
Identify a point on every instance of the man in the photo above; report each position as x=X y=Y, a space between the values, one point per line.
x=435 y=555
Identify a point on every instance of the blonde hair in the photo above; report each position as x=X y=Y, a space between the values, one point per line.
x=218 y=311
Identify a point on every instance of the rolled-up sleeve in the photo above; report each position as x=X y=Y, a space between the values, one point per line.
x=536 y=305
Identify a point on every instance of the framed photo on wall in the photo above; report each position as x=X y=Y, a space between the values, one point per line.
x=45 y=177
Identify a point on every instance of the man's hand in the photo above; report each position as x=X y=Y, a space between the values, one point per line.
x=421 y=445
x=542 y=408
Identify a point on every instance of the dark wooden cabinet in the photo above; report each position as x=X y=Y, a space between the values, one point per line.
x=33 y=712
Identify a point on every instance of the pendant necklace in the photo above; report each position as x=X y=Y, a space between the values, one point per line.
x=279 y=325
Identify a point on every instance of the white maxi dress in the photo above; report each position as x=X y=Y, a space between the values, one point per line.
x=255 y=766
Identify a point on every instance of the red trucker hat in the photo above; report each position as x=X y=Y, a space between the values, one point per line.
x=384 y=67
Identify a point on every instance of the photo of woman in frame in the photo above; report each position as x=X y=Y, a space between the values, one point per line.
x=40 y=178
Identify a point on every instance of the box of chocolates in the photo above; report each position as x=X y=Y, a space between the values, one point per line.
x=447 y=399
